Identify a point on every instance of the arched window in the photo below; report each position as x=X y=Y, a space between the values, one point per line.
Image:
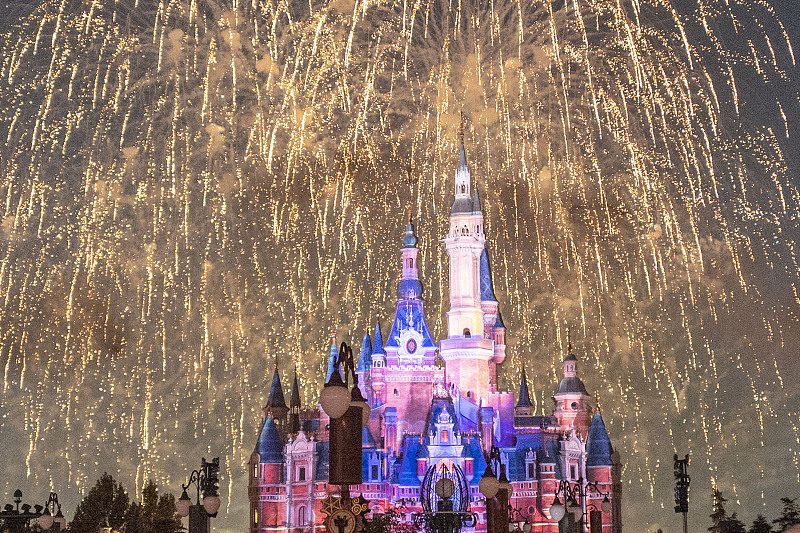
x=463 y=189
x=301 y=515
x=466 y=332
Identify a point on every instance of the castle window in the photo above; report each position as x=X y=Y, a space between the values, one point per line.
x=573 y=471
x=574 y=405
x=375 y=472
x=466 y=332
x=255 y=517
x=444 y=436
x=396 y=393
x=301 y=473
x=301 y=516
x=531 y=470
x=255 y=470
x=463 y=189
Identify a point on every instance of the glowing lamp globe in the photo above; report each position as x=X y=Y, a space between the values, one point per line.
x=335 y=398
x=606 y=505
x=183 y=504
x=61 y=521
x=46 y=520
x=488 y=485
x=211 y=504
x=557 y=510
x=575 y=509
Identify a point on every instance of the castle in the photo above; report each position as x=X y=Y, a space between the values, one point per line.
x=439 y=402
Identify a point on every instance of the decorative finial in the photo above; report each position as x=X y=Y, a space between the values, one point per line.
x=461 y=127
x=410 y=191
x=569 y=343
x=597 y=401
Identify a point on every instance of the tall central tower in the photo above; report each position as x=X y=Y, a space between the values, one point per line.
x=466 y=351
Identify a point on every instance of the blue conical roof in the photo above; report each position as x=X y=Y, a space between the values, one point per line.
x=598 y=445
x=524 y=397
x=276 y=398
x=334 y=354
x=377 y=343
x=270 y=447
x=365 y=357
x=487 y=290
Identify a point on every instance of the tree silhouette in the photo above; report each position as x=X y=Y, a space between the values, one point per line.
x=154 y=515
x=789 y=517
x=760 y=525
x=105 y=505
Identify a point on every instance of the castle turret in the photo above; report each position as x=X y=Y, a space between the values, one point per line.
x=466 y=352
x=364 y=368
x=266 y=480
x=572 y=406
x=276 y=403
x=524 y=406
x=378 y=365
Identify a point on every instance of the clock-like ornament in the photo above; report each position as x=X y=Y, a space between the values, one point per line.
x=410 y=341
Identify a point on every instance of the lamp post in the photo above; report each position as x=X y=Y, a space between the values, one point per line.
x=348 y=412
x=52 y=517
x=682 y=480
x=206 y=479
x=17 y=517
x=573 y=507
x=497 y=492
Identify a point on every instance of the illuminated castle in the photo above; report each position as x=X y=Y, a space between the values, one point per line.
x=429 y=410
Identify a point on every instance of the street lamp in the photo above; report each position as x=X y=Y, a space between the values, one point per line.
x=349 y=413
x=16 y=517
x=52 y=514
x=335 y=399
x=497 y=493
x=207 y=480
x=574 y=498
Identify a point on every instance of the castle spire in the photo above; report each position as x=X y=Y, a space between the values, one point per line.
x=524 y=396
x=294 y=406
x=332 y=356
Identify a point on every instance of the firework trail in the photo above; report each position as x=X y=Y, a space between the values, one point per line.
x=190 y=187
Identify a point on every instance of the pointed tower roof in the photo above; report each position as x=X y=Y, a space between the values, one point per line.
x=270 y=447
x=377 y=343
x=332 y=356
x=524 y=397
x=295 y=400
x=476 y=202
x=498 y=323
x=276 y=398
x=598 y=445
x=487 y=288
x=365 y=357
x=410 y=237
